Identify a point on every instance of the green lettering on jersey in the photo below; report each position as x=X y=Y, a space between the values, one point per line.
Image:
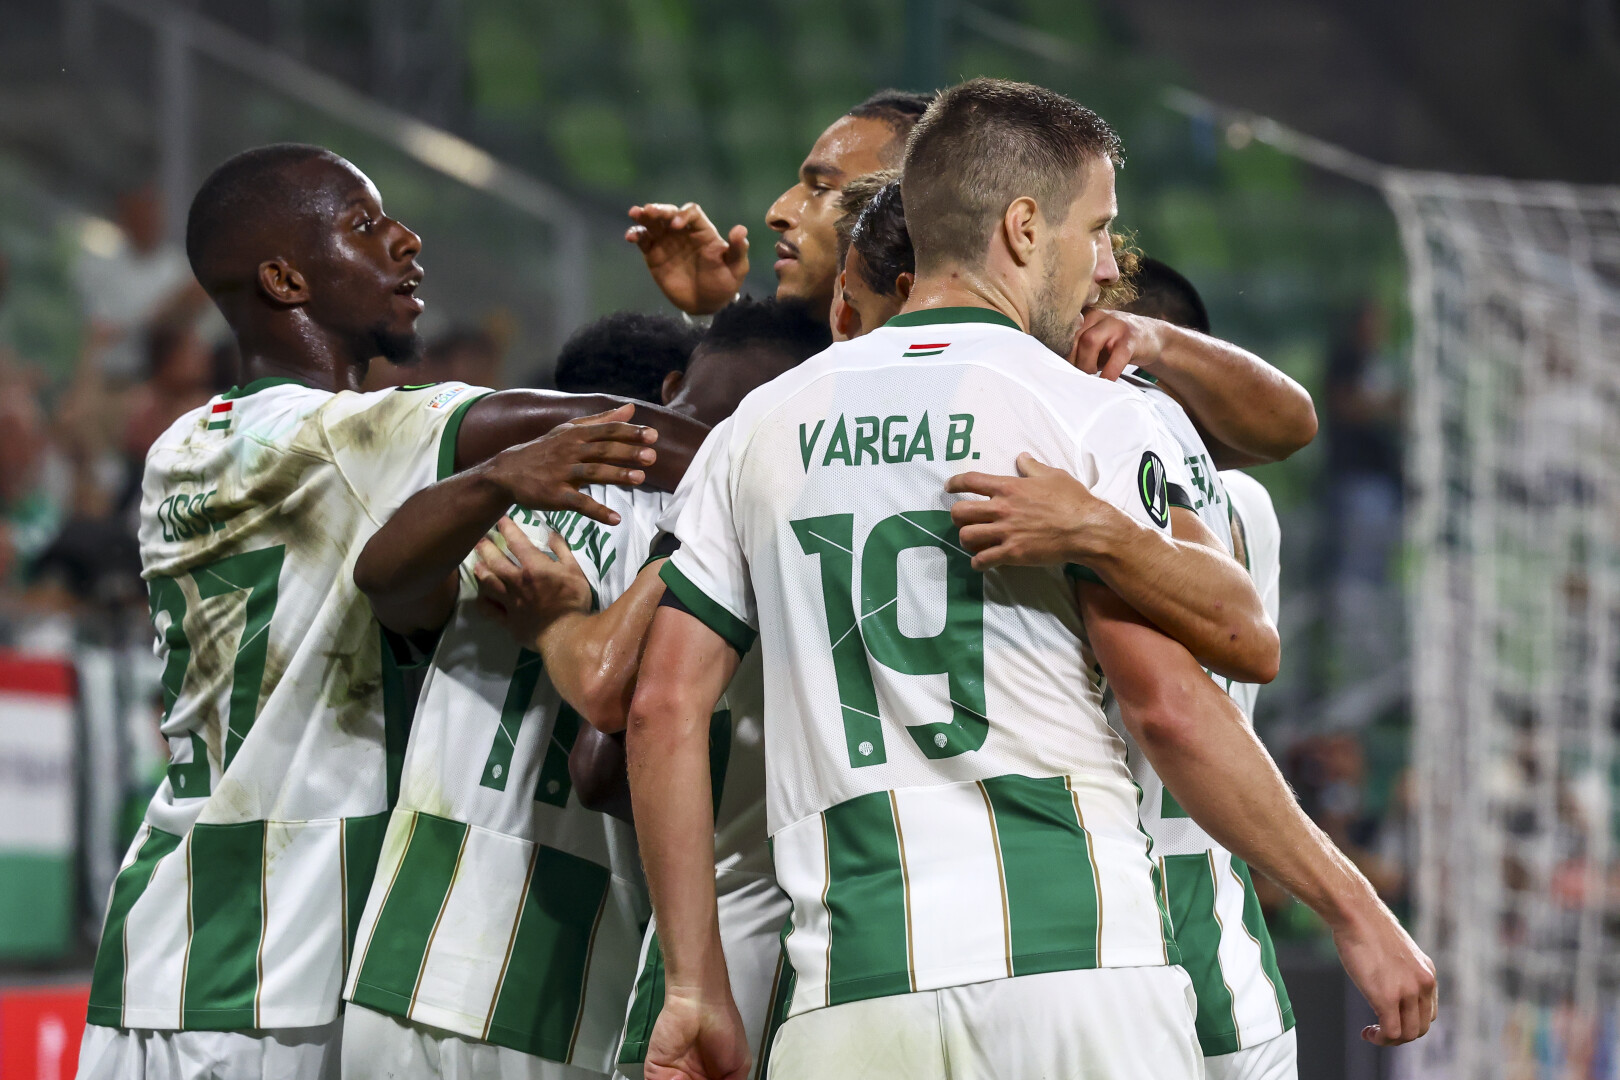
x=866 y=438
x=959 y=443
x=922 y=444
x=894 y=443
x=838 y=445
x=808 y=447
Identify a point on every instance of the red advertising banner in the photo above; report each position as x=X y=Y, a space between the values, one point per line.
x=40 y=1028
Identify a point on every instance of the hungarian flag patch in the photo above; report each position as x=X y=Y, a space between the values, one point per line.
x=926 y=350
x=219 y=417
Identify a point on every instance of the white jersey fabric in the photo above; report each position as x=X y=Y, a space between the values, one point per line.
x=236 y=903
x=503 y=910
x=947 y=802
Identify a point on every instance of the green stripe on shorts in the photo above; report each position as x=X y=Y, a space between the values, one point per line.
x=404 y=928
x=537 y=1009
x=227 y=922
x=1254 y=921
x=645 y=1005
x=868 y=954
x=107 y=981
x=1190 y=882
x=1052 y=898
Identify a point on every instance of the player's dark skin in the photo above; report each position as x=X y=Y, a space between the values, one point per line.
x=315 y=290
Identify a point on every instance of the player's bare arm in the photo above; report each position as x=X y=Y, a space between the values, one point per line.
x=698 y=270
x=1248 y=412
x=1197 y=739
x=592 y=657
x=408 y=568
x=1184 y=583
x=685 y=670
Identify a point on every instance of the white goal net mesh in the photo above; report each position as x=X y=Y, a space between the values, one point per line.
x=1514 y=527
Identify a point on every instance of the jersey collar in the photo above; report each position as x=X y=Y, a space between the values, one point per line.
x=931 y=316
x=256 y=385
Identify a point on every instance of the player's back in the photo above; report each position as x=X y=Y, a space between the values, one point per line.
x=947 y=801
x=235 y=905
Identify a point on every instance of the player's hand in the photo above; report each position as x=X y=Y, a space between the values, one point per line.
x=697 y=1039
x=1109 y=340
x=698 y=270
x=547 y=473
x=1041 y=517
x=1392 y=973
x=528 y=590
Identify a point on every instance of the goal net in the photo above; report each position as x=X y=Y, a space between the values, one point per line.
x=1513 y=465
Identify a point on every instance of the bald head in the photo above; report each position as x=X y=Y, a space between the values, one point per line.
x=253 y=204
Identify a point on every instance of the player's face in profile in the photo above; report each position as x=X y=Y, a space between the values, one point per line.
x=1078 y=260
x=805 y=214
x=365 y=270
x=859 y=309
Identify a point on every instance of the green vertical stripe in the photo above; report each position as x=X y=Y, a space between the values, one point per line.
x=399 y=941
x=519 y=693
x=1255 y=922
x=787 y=981
x=397 y=708
x=362 y=847
x=865 y=901
x=645 y=1005
x=1190 y=882
x=1051 y=887
x=227 y=922
x=107 y=982
x=537 y=1008
x=554 y=783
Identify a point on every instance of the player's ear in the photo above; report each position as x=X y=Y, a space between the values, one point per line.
x=1018 y=228
x=903 y=284
x=282 y=283
x=672 y=385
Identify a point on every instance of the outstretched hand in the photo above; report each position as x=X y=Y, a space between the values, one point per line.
x=697 y=1039
x=698 y=270
x=1041 y=517
x=525 y=589
x=547 y=473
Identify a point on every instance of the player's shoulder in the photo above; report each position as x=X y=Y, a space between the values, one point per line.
x=394 y=404
x=266 y=410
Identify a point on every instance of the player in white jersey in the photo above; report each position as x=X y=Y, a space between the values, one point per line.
x=995 y=840
x=230 y=924
x=593 y=659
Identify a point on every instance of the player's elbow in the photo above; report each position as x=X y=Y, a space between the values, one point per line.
x=1253 y=654
x=1295 y=426
x=604 y=700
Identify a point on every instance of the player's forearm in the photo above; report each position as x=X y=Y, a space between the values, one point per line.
x=1194 y=593
x=593 y=659
x=1253 y=413
x=511 y=417
x=1208 y=756
x=667 y=744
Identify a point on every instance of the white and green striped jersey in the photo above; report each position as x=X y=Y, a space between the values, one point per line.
x=1205 y=496
x=236 y=904
x=1214 y=911
x=946 y=799
x=502 y=909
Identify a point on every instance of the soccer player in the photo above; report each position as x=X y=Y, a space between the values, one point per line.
x=627 y=353
x=700 y=271
x=593 y=659
x=229 y=926
x=950 y=814
x=878 y=268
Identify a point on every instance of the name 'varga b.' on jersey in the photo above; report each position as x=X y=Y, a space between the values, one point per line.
x=503 y=910
x=947 y=802
x=236 y=903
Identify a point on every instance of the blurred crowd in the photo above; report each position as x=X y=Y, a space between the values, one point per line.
x=72 y=453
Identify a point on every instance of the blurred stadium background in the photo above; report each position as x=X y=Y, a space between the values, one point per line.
x=1401 y=205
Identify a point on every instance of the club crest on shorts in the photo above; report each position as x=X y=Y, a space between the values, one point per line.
x=1150 y=485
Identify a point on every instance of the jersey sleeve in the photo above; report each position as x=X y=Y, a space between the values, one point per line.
x=709 y=573
x=1262 y=535
x=1134 y=463
x=392 y=443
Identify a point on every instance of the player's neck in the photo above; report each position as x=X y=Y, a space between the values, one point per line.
x=308 y=355
x=957 y=287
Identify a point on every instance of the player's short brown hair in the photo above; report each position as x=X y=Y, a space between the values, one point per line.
x=984 y=143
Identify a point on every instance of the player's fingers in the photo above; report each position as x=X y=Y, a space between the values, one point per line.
x=1029 y=465
x=737 y=242
x=587 y=473
x=627 y=454
x=583 y=504
x=976 y=483
x=615 y=431
x=562 y=551
x=977 y=538
x=1120 y=353
x=990 y=558
x=618 y=412
x=975 y=511
x=491 y=558
x=517 y=541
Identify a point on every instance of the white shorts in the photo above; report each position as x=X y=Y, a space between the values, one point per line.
x=379 y=1046
x=139 y=1054
x=1099 y=1024
x=753 y=910
x=1274 y=1059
